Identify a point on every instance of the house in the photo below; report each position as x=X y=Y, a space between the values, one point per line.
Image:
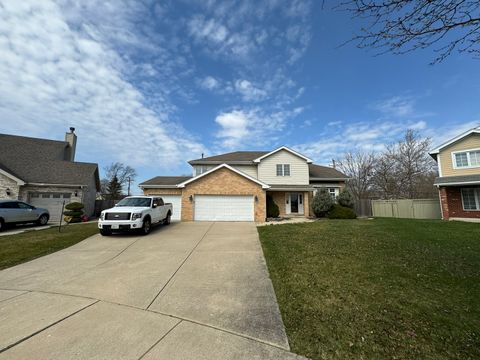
x=44 y=173
x=458 y=182
x=235 y=186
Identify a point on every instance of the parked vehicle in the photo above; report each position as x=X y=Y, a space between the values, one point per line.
x=135 y=213
x=17 y=212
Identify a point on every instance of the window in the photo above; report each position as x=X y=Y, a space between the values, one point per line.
x=333 y=193
x=283 y=169
x=22 y=205
x=466 y=159
x=200 y=169
x=471 y=198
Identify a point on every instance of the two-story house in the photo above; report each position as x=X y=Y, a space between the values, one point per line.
x=235 y=186
x=458 y=182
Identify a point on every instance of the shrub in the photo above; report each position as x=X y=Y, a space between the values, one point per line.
x=341 y=212
x=74 y=212
x=345 y=199
x=322 y=203
x=272 y=209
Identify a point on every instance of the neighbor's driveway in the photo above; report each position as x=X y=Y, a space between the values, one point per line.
x=186 y=291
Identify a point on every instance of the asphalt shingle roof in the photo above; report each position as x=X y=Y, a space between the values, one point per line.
x=242 y=156
x=456 y=179
x=325 y=172
x=166 y=180
x=43 y=161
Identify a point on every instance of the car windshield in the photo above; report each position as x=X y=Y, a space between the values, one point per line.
x=140 y=202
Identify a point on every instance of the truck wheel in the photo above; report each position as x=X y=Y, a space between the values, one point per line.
x=167 y=220
x=105 y=232
x=147 y=226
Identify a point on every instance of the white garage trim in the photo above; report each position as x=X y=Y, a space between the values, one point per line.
x=224 y=208
x=176 y=201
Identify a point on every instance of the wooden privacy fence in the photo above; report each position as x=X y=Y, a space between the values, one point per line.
x=407 y=208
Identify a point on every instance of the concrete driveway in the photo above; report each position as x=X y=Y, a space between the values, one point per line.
x=187 y=291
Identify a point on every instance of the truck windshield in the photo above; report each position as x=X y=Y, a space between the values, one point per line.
x=140 y=202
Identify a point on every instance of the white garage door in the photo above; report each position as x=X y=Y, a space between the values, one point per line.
x=51 y=201
x=223 y=208
x=176 y=201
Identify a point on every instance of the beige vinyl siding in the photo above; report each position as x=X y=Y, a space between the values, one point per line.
x=194 y=168
x=267 y=169
x=445 y=156
x=250 y=170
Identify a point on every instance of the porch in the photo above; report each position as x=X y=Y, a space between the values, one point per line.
x=292 y=201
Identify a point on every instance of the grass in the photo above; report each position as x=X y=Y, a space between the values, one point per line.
x=20 y=248
x=378 y=289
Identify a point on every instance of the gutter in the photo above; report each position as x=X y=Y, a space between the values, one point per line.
x=328 y=179
x=157 y=186
x=64 y=185
x=458 y=183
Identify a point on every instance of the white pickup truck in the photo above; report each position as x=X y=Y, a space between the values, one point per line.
x=135 y=213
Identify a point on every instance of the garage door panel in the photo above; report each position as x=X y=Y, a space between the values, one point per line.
x=176 y=201
x=53 y=202
x=224 y=208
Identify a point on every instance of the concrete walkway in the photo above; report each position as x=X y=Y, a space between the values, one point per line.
x=187 y=291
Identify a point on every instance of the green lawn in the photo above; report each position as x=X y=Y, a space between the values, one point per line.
x=19 y=248
x=378 y=289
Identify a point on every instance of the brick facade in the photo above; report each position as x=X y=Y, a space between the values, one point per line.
x=452 y=206
x=223 y=182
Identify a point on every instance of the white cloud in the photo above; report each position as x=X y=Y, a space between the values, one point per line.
x=397 y=106
x=253 y=126
x=209 y=83
x=248 y=91
x=53 y=75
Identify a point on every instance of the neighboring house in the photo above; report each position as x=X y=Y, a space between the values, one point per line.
x=234 y=186
x=43 y=173
x=459 y=176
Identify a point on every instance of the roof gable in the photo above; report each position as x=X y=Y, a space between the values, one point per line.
x=262 y=184
x=257 y=160
x=475 y=130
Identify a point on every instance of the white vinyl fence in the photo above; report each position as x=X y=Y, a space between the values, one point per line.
x=407 y=208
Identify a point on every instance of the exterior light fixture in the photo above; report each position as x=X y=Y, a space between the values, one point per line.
x=256 y=198
x=190 y=198
x=8 y=191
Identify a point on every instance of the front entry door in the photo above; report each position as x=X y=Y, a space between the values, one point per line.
x=294 y=203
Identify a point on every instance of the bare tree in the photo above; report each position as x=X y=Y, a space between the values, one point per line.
x=401 y=26
x=359 y=167
x=124 y=174
x=385 y=178
x=412 y=162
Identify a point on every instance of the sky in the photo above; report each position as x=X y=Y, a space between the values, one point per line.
x=153 y=84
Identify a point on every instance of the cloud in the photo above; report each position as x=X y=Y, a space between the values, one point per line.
x=397 y=106
x=209 y=83
x=244 y=127
x=56 y=73
x=248 y=91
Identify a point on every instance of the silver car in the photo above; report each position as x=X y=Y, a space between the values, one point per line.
x=18 y=212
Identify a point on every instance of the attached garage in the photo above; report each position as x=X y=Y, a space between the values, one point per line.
x=224 y=208
x=52 y=201
x=176 y=201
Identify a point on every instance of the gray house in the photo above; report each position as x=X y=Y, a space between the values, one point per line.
x=44 y=173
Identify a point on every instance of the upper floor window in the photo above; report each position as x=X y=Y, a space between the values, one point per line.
x=466 y=159
x=283 y=169
x=200 y=169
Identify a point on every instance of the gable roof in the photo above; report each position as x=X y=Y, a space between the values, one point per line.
x=241 y=173
x=41 y=161
x=164 y=181
x=231 y=157
x=257 y=160
x=319 y=172
x=475 y=130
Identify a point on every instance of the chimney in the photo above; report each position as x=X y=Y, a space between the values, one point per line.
x=71 y=139
x=333 y=164
x=202 y=155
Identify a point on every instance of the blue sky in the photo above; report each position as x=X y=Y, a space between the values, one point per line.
x=154 y=84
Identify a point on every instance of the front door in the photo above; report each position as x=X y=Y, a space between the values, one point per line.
x=294 y=203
